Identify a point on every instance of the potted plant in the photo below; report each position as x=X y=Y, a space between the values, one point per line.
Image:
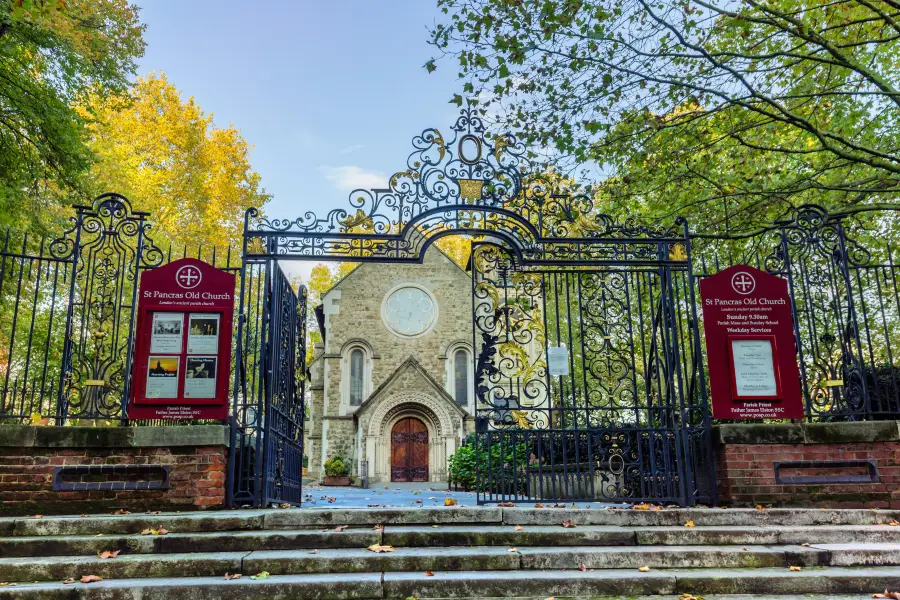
x=336 y=472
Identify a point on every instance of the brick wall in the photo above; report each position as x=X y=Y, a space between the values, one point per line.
x=196 y=468
x=843 y=465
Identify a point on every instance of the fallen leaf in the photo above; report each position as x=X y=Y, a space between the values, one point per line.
x=538 y=505
x=108 y=553
x=644 y=569
x=429 y=574
x=689 y=524
x=894 y=523
x=419 y=501
x=153 y=512
x=435 y=526
x=379 y=527
x=795 y=568
x=331 y=499
x=450 y=502
x=760 y=507
x=642 y=506
x=807 y=545
x=260 y=575
x=90 y=578
x=37 y=516
x=122 y=511
x=506 y=504
x=83 y=516
x=568 y=523
x=582 y=567
x=161 y=531
x=340 y=528
x=513 y=550
x=380 y=548
x=313 y=552
x=230 y=576
x=519 y=528
x=746 y=548
x=68 y=581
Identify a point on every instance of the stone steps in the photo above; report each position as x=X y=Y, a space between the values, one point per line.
x=477 y=558
x=444 y=535
x=768 y=583
x=468 y=550
x=324 y=518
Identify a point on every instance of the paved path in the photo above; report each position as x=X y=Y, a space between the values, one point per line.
x=394 y=495
x=381 y=496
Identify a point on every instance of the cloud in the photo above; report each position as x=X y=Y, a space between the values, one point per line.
x=350 y=149
x=351 y=177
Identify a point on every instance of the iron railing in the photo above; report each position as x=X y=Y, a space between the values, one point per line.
x=842 y=270
x=67 y=312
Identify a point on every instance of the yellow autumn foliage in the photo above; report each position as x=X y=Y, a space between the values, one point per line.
x=169 y=158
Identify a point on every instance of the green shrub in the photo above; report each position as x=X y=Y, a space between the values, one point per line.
x=335 y=467
x=503 y=468
x=462 y=466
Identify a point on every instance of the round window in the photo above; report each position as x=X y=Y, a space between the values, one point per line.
x=409 y=311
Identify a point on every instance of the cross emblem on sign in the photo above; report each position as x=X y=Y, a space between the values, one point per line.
x=743 y=283
x=188 y=277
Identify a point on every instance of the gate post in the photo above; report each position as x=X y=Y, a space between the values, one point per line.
x=233 y=466
x=62 y=400
x=853 y=335
x=700 y=371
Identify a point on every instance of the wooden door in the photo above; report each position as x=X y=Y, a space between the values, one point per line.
x=409 y=450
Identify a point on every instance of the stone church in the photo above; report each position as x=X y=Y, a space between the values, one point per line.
x=391 y=387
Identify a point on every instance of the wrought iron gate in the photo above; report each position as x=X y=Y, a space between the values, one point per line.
x=629 y=420
x=266 y=461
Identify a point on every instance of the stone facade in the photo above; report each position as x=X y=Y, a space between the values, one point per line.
x=403 y=376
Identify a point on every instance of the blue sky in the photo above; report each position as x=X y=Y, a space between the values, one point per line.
x=328 y=92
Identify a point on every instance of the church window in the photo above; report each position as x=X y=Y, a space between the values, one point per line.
x=461 y=377
x=356 y=377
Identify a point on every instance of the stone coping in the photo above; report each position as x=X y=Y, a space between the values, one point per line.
x=807 y=433
x=28 y=436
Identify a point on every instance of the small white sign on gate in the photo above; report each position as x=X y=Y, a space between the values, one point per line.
x=557 y=360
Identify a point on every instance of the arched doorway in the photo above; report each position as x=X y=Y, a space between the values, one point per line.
x=409 y=450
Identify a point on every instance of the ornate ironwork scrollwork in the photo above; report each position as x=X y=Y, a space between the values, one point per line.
x=110 y=245
x=470 y=181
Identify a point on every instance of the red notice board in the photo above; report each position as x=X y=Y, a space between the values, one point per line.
x=183 y=342
x=752 y=357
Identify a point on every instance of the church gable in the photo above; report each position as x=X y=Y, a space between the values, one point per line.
x=434 y=258
x=410 y=378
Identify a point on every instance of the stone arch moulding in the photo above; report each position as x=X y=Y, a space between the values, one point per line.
x=442 y=421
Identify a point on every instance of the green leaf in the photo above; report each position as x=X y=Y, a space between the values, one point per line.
x=457 y=100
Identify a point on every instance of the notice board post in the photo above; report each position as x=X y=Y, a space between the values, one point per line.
x=183 y=343
x=750 y=347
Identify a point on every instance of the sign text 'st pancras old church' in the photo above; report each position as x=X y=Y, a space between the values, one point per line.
x=749 y=329
x=183 y=343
